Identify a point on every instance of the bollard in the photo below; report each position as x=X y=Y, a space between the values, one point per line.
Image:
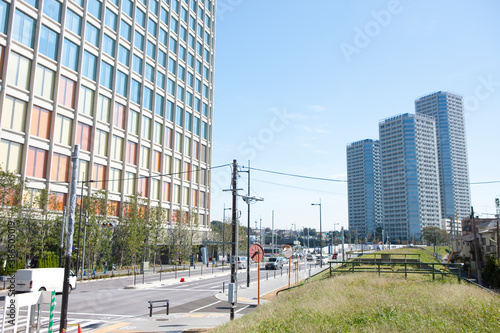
x=160 y=275
x=267 y=276
x=223 y=286
x=275 y=274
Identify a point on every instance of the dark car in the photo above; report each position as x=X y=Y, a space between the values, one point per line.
x=334 y=256
x=274 y=263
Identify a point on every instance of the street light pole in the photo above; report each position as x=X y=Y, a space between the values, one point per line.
x=248 y=199
x=320 y=235
x=334 y=224
x=223 y=231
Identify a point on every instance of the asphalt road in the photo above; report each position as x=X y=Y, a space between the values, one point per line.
x=97 y=303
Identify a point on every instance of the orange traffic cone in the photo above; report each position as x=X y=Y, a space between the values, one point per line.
x=79 y=328
x=182 y=280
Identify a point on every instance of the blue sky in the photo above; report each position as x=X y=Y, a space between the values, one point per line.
x=295 y=81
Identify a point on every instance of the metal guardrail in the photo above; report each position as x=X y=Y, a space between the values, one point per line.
x=388 y=267
x=151 y=306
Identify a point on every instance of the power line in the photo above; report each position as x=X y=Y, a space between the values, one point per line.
x=345 y=181
x=300 y=176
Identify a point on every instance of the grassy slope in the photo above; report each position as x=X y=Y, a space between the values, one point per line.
x=365 y=302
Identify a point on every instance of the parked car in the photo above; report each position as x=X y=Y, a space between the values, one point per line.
x=242 y=262
x=275 y=263
x=334 y=256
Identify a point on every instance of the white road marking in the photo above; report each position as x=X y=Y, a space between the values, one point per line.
x=206 y=306
x=243 y=308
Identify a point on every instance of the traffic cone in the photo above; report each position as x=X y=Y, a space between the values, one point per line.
x=182 y=279
x=79 y=328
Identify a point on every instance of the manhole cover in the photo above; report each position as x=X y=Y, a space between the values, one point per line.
x=162 y=319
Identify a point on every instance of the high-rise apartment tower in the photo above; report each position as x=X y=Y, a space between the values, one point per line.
x=447 y=110
x=410 y=179
x=364 y=186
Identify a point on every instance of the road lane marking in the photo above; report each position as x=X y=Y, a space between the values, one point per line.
x=201 y=315
x=206 y=306
x=243 y=308
x=110 y=328
x=198 y=290
x=93 y=314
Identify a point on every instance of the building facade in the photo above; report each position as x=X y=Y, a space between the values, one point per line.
x=447 y=110
x=410 y=176
x=131 y=82
x=364 y=186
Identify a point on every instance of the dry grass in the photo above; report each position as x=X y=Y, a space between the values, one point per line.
x=369 y=303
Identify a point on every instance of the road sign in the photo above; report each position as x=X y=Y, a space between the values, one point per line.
x=287 y=251
x=256 y=252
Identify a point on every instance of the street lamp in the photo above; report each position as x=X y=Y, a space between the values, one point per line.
x=320 y=234
x=223 y=230
x=333 y=235
x=248 y=199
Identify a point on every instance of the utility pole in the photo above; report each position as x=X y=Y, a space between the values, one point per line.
x=476 y=248
x=61 y=246
x=69 y=240
x=248 y=228
x=234 y=245
x=497 y=204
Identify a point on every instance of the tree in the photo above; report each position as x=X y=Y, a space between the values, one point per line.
x=135 y=218
x=433 y=235
x=178 y=237
x=157 y=230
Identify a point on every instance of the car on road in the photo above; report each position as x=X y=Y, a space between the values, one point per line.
x=323 y=258
x=310 y=257
x=275 y=263
x=42 y=279
x=242 y=262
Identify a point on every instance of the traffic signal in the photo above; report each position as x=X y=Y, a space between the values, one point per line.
x=108 y=224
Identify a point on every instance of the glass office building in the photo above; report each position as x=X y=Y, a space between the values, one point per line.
x=131 y=82
x=364 y=187
x=447 y=110
x=410 y=176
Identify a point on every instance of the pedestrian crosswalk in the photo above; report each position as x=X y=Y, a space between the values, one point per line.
x=86 y=324
x=72 y=325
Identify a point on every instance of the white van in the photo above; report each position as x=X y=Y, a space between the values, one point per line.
x=242 y=262
x=40 y=279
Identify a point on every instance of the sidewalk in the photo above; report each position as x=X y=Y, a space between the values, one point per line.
x=181 y=322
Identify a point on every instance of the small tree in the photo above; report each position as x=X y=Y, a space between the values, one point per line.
x=157 y=229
